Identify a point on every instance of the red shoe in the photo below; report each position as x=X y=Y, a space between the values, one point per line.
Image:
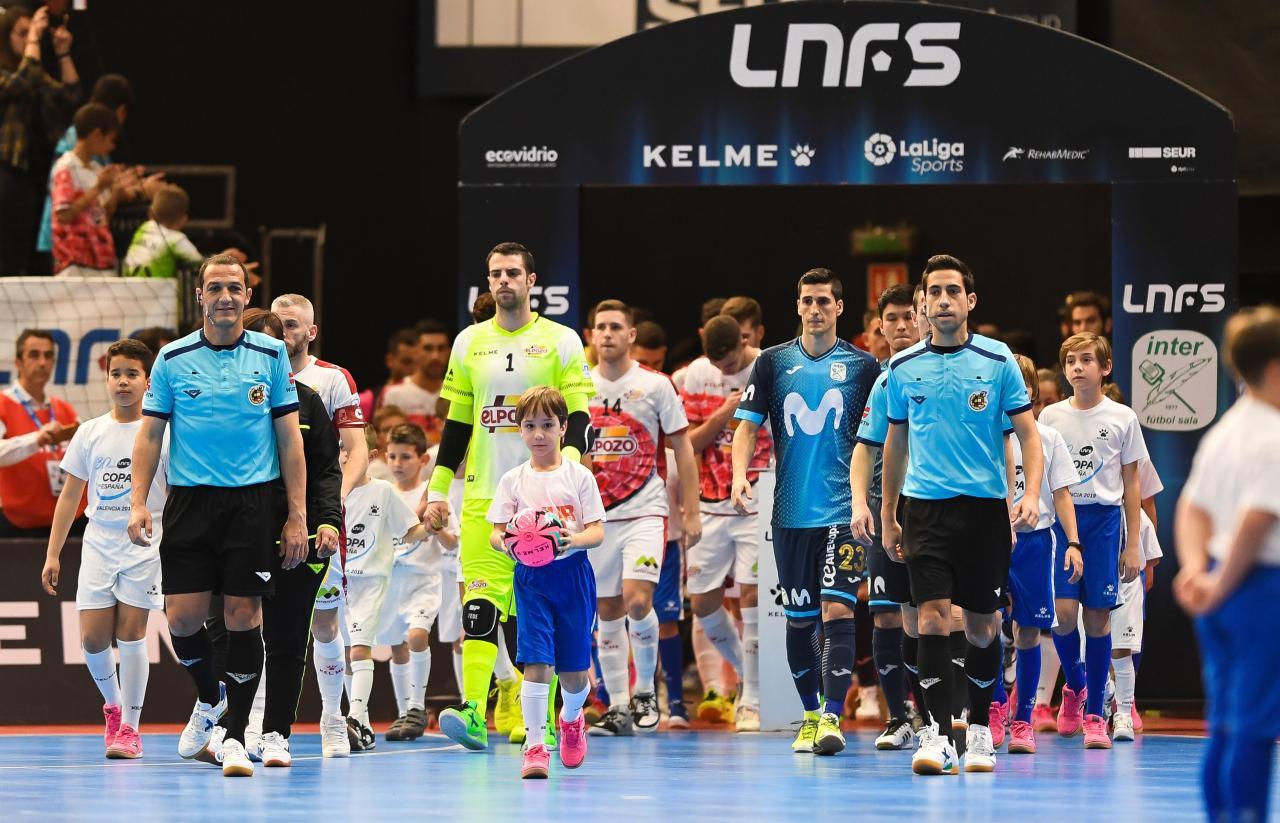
x=995 y=722
x=537 y=762
x=127 y=745
x=1071 y=712
x=1022 y=738
x=1095 y=733
x=573 y=742
x=1042 y=718
x=1137 y=718
x=111 y=714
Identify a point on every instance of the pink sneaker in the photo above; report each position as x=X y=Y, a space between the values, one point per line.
x=127 y=745
x=1137 y=718
x=995 y=722
x=1022 y=738
x=112 y=715
x=1071 y=712
x=1042 y=718
x=1095 y=732
x=537 y=761
x=573 y=742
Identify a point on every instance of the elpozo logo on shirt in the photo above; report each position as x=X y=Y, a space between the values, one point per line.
x=258 y=394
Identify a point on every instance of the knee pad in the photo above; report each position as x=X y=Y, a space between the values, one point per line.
x=480 y=620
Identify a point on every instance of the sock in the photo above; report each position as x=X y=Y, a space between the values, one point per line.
x=457 y=669
x=134 y=671
x=804 y=663
x=936 y=680
x=1028 y=668
x=195 y=653
x=1137 y=661
x=361 y=686
x=503 y=668
x=671 y=651
x=1068 y=646
x=1049 y=668
x=402 y=685
x=959 y=647
x=258 y=707
x=533 y=700
x=910 y=658
x=864 y=645
x=887 y=647
x=420 y=669
x=864 y=669
x=998 y=694
x=1126 y=682
x=330 y=675
x=644 y=648
x=245 y=658
x=573 y=702
x=707 y=659
x=837 y=662
x=724 y=636
x=102 y=665
x=614 y=651
x=1247 y=775
x=551 y=701
x=982 y=670
x=750 y=656
x=1097 y=669
x=478 y=657
x=346 y=684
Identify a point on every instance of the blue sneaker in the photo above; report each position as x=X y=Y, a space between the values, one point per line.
x=677 y=715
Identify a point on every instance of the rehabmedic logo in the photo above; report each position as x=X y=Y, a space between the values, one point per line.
x=525 y=157
x=925 y=156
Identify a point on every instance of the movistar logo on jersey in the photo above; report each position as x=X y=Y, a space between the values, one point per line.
x=795 y=411
x=500 y=416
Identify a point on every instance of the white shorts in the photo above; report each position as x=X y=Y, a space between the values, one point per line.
x=113 y=570
x=449 y=622
x=330 y=594
x=730 y=545
x=363 y=608
x=1126 y=619
x=632 y=550
x=412 y=602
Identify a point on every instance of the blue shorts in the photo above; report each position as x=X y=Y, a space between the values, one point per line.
x=1031 y=578
x=1101 y=531
x=557 y=608
x=668 y=601
x=816 y=565
x=1240 y=665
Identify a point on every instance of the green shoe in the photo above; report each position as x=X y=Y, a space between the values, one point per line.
x=549 y=739
x=464 y=724
x=516 y=736
x=830 y=740
x=507 y=713
x=806 y=741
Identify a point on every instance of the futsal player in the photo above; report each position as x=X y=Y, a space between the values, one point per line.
x=809 y=389
x=948 y=392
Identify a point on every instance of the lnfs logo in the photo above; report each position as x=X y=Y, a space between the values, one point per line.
x=1208 y=296
x=546 y=300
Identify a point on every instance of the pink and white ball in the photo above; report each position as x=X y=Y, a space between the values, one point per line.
x=533 y=537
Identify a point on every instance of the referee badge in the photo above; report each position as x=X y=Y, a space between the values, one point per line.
x=258 y=394
x=838 y=372
x=978 y=400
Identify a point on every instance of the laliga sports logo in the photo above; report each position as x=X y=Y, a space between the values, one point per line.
x=927 y=156
x=942 y=61
x=1209 y=296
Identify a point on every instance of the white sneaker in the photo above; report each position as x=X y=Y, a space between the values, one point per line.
x=896 y=735
x=868 y=703
x=747 y=718
x=235 y=762
x=253 y=742
x=333 y=736
x=979 y=753
x=204 y=718
x=935 y=754
x=1122 y=726
x=212 y=753
x=275 y=750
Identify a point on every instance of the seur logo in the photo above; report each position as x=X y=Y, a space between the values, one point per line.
x=812 y=421
x=1208 y=296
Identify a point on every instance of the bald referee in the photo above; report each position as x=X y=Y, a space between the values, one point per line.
x=233 y=408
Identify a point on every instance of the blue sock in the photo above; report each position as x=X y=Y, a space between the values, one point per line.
x=804 y=663
x=1097 y=666
x=671 y=653
x=1068 y=646
x=1246 y=773
x=998 y=694
x=1028 y=680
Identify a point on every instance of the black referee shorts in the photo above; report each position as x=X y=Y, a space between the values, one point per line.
x=221 y=540
x=889 y=586
x=958 y=549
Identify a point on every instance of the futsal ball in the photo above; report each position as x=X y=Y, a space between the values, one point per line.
x=533 y=537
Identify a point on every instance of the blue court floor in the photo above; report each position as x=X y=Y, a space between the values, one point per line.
x=662 y=777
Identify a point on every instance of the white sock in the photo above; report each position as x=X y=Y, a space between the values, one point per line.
x=503 y=669
x=134 y=671
x=402 y=685
x=724 y=636
x=644 y=646
x=1050 y=666
x=707 y=659
x=750 y=655
x=361 y=686
x=1126 y=682
x=614 y=651
x=330 y=675
x=573 y=702
x=420 y=666
x=457 y=669
x=102 y=665
x=533 y=700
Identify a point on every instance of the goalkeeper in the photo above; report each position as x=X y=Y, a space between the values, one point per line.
x=555 y=587
x=491 y=366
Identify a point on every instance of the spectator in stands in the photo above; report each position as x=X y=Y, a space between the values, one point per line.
x=33 y=428
x=401 y=360
x=990 y=330
x=37 y=109
x=1089 y=312
x=156 y=337
x=650 y=346
x=418 y=394
x=159 y=248
x=85 y=195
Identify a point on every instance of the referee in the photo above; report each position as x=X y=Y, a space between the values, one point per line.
x=233 y=408
x=951 y=393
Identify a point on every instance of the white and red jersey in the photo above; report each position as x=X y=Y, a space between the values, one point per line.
x=630 y=418
x=705 y=389
x=419 y=405
x=336 y=389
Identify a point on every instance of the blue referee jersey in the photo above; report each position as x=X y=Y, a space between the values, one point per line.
x=954 y=400
x=220 y=402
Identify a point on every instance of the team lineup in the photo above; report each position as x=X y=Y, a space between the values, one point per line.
x=569 y=508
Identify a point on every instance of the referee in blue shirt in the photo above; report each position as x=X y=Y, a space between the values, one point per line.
x=947 y=397
x=230 y=401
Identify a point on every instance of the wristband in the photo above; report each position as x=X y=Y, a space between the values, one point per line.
x=327 y=526
x=434 y=496
x=1074 y=545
